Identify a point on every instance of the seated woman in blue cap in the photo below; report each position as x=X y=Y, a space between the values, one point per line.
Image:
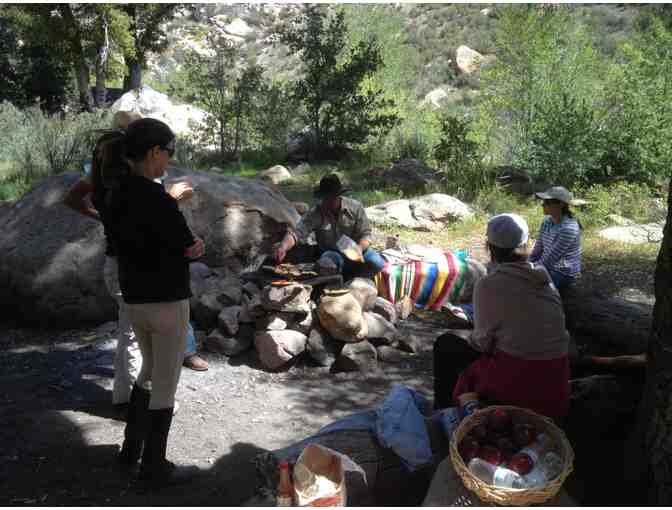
x=517 y=352
x=333 y=217
x=558 y=246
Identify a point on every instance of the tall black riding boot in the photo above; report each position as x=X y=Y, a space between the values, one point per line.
x=136 y=427
x=155 y=470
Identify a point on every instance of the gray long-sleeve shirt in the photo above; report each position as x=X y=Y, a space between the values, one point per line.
x=517 y=311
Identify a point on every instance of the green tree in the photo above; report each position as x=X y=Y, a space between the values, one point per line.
x=146 y=26
x=459 y=158
x=339 y=108
x=275 y=116
x=31 y=64
x=640 y=130
x=209 y=84
x=539 y=96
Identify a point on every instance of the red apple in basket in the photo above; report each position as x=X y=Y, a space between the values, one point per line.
x=468 y=448
x=523 y=434
x=490 y=454
x=521 y=463
x=480 y=432
x=505 y=445
x=499 y=420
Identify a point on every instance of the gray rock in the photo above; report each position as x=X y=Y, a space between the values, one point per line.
x=227 y=345
x=407 y=342
x=425 y=213
x=389 y=354
x=404 y=308
x=207 y=311
x=275 y=348
x=411 y=175
x=364 y=291
x=237 y=218
x=620 y=220
x=301 y=207
x=634 y=234
x=230 y=292
x=275 y=321
x=360 y=356
x=228 y=320
x=439 y=208
x=51 y=258
x=304 y=323
x=251 y=289
x=252 y=308
x=288 y=298
x=322 y=347
x=276 y=174
x=379 y=328
x=385 y=309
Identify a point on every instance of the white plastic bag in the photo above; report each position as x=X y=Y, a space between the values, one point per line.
x=350 y=249
x=319 y=476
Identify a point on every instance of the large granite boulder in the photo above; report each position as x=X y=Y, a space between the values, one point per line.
x=182 y=118
x=426 y=213
x=51 y=258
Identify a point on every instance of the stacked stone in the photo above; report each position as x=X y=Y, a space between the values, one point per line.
x=351 y=329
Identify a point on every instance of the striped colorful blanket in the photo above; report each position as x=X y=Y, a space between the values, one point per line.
x=429 y=284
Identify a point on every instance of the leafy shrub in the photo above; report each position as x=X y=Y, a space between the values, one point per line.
x=459 y=158
x=630 y=200
x=39 y=145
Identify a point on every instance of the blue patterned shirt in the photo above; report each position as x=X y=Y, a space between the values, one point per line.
x=558 y=247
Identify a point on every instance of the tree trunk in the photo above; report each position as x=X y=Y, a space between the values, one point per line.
x=133 y=80
x=77 y=52
x=656 y=410
x=101 y=88
x=85 y=97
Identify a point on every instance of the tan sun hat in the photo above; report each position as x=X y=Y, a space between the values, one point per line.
x=559 y=193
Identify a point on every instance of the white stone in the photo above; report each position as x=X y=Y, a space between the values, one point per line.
x=276 y=174
x=634 y=234
x=148 y=102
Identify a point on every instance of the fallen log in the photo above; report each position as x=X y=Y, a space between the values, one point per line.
x=606 y=326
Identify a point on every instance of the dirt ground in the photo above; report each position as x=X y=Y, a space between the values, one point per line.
x=59 y=440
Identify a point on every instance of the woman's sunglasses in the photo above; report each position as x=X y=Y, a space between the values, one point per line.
x=551 y=201
x=169 y=148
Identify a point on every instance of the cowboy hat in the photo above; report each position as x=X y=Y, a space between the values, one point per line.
x=330 y=186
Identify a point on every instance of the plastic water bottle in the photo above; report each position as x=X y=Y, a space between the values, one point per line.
x=544 y=471
x=538 y=449
x=495 y=475
x=469 y=403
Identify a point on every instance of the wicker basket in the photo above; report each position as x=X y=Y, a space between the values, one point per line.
x=502 y=495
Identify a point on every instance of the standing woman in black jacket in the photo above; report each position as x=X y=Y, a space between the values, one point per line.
x=154 y=247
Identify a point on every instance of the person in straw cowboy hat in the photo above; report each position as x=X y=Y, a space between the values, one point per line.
x=558 y=246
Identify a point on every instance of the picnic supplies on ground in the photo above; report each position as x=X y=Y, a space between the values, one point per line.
x=319 y=477
x=516 y=439
x=350 y=249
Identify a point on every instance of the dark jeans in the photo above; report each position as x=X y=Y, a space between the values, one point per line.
x=452 y=355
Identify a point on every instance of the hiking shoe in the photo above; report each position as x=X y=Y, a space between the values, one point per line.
x=195 y=362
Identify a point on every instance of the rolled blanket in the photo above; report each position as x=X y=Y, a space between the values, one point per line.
x=429 y=284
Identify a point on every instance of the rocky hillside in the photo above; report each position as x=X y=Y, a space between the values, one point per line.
x=432 y=33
